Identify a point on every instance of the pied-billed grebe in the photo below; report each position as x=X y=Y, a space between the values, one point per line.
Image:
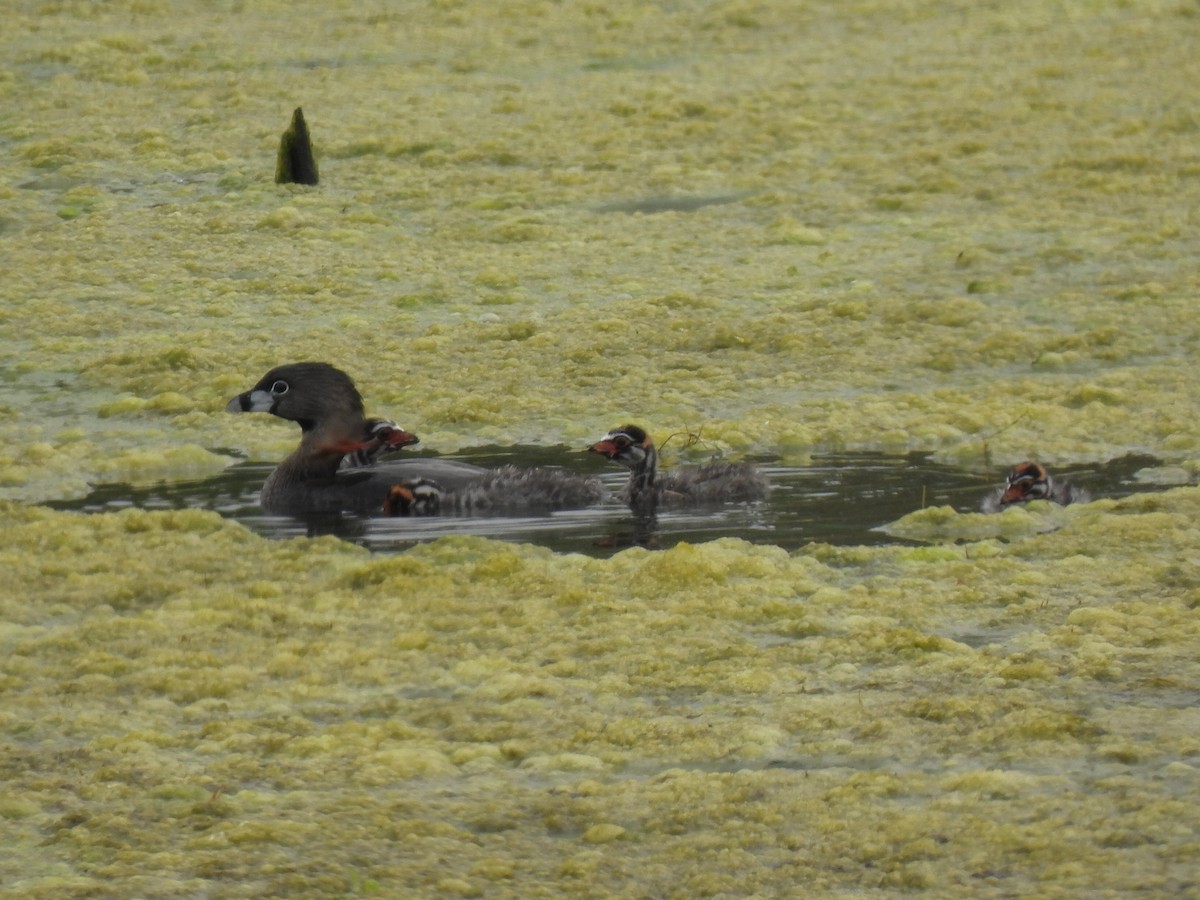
x=507 y=489
x=1030 y=481
x=329 y=410
x=712 y=482
x=380 y=436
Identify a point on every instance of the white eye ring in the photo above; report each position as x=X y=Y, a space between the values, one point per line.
x=279 y=387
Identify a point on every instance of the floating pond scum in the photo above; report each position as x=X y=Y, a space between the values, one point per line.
x=186 y=697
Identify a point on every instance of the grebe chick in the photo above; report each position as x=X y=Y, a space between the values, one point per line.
x=509 y=489
x=327 y=406
x=380 y=436
x=1030 y=481
x=712 y=482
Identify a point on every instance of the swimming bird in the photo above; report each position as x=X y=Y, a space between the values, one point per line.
x=1030 y=481
x=327 y=406
x=507 y=489
x=712 y=482
x=380 y=436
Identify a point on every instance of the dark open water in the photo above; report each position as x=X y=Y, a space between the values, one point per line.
x=838 y=499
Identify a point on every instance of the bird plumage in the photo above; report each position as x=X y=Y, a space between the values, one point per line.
x=709 y=483
x=317 y=478
x=1031 y=481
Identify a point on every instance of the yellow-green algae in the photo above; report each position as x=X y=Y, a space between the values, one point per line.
x=970 y=234
x=190 y=708
x=953 y=228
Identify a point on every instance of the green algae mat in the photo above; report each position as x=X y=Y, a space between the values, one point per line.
x=803 y=227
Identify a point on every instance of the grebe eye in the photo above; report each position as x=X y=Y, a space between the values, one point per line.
x=279 y=387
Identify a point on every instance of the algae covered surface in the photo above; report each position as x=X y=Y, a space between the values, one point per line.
x=805 y=227
x=193 y=710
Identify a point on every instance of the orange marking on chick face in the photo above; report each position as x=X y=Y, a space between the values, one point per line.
x=398 y=501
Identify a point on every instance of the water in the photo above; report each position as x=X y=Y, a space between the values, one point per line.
x=839 y=499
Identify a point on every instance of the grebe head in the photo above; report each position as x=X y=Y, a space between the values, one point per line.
x=307 y=393
x=1026 y=481
x=628 y=445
